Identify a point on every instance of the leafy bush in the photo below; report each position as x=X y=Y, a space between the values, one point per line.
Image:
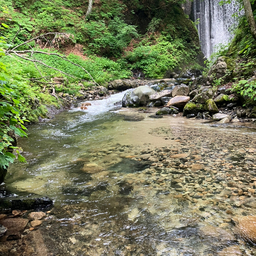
x=155 y=60
x=246 y=89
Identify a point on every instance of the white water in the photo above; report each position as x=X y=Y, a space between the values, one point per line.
x=99 y=107
x=215 y=23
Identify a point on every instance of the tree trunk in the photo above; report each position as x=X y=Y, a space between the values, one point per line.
x=89 y=10
x=249 y=16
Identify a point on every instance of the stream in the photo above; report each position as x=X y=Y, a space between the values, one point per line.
x=125 y=183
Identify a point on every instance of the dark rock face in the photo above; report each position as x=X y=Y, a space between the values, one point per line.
x=26 y=204
x=3 y=172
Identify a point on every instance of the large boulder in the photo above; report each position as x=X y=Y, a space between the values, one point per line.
x=137 y=97
x=182 y=90
x=178 y=101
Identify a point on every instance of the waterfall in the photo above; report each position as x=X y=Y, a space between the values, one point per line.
x=214 y=23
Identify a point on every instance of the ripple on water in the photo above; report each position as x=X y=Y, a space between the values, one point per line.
x=170 y=188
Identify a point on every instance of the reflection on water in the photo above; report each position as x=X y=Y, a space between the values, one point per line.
x=149 y=186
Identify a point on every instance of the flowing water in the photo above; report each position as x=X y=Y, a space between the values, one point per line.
x=215 y=23
x=125 y=183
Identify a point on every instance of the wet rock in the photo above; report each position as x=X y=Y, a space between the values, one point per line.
x=225 y=120
x=180 y=90
x=2 y=230
x=246 y=226
x=203 y=96
x=167 y=111
x=15 y=226
x=211 y=106
x=221 y=235
x=35 y=223
x=219 y=116
x=27 y=204
x=231 y=251
x=137 y=97
x=178 y=101
x=125 y=188
x=159 y=95
x=134 y=214
x=36 y=215
x=221 y=99
x=192 y=108
x=92 y=168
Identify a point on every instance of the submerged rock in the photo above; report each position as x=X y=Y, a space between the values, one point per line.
x=246 y=226
x=231 y=251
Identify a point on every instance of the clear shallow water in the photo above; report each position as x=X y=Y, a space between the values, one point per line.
x=124 y=183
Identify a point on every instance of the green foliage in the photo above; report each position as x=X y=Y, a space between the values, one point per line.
x=246 y=89
x=154 y=60
x=109 y=40
x=11 y=121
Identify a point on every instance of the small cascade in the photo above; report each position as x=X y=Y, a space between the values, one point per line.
x=214 y=23
x=97 y=107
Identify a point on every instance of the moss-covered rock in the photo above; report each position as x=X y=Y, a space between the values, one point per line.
x=192 y=108
x=211 y=106
x=167 y=111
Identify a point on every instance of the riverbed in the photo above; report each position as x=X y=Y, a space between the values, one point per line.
x=126 y=183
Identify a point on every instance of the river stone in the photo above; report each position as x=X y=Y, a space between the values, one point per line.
x=133 y=214
x=211 y=106
x=201 y=98
x=192 y=108
x=222 y=98
x=159 y=95
x=167 y=111
x=137 y=97
x=178 y=101
x=219 y=116
x=225 y=120
x=15 y=226
x=36 y=215
x=35 y=223
x=180 y=90
x=231 y=251
x=92 y=168
x=246 y=226
x=220 y=234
